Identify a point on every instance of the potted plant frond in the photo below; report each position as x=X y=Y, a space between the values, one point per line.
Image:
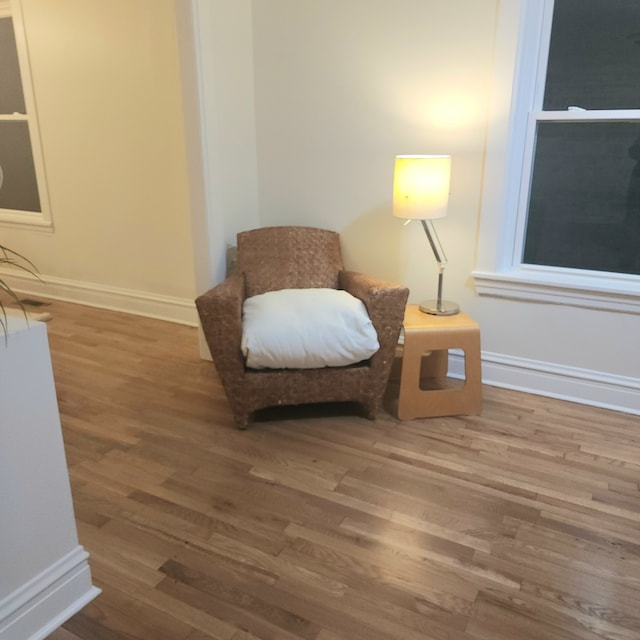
x=8 y=257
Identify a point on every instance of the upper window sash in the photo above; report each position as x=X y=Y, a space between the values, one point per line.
x=522 y=44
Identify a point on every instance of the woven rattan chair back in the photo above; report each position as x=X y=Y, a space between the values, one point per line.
x=274 y=258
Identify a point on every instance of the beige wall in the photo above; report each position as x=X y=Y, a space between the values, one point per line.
x=307 y=103
x=344 y=86
x=107 y=86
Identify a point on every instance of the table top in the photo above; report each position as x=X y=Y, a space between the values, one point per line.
x=416 y=319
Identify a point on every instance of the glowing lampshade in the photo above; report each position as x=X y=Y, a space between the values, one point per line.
x=421 y=187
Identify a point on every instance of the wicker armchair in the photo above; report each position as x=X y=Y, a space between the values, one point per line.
x=276 y=258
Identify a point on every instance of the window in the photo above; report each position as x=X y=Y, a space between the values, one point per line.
x=561 y=212
x=23 y=194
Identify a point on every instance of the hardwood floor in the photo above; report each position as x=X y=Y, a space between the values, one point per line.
x=519 y=524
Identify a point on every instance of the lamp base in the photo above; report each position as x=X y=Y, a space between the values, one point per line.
x=445 y=308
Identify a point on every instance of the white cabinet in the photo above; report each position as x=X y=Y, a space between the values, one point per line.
x=44 y=571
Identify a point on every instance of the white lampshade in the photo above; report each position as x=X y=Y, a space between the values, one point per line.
x=421 y=187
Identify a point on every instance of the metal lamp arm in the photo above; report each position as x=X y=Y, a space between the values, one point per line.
x=448 y=308
x=434 y=241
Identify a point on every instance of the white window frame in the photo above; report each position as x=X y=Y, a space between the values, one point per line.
x=12 y=217
x=522 y=45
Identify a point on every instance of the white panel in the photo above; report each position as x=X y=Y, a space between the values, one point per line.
x=44 y=569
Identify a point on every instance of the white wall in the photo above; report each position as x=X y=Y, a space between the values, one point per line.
x=227 y=86
x=306 y=105
x=340 y=89
x=343 y=87
x=107 y=86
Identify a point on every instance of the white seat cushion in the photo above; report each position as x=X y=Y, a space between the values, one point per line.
x=306 y=329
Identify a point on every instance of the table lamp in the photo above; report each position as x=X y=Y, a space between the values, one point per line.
x=421 y=192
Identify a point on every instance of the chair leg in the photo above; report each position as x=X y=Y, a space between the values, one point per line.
x=370 y=410
x=241 y=418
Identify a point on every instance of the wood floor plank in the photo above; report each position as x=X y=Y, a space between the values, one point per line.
x=522 y=523
x=501 y=617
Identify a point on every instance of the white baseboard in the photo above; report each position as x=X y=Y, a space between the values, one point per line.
x=180 y=310
x=588 y=387
x=584 y=386
x=44 y=603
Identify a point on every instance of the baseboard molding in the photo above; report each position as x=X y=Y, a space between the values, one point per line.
x=584 y=386
x=588 y=387
x=39 y=607
x=180 y=310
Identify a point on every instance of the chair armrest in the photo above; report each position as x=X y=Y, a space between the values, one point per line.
x=220 y=311
x=385 y=302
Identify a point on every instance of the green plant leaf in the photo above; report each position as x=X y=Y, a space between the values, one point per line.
x=17 y=261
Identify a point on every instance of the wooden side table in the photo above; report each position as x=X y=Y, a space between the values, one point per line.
x=427 y=340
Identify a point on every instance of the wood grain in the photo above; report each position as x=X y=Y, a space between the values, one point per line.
x=521 y=523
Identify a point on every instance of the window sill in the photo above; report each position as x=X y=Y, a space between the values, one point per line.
x=25 y=219
x=592 y=290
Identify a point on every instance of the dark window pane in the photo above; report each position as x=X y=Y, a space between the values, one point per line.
x=594 y=56
x=19 y=188
x=584 y=205
x=11 y=96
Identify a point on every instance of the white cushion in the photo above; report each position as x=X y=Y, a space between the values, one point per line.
x=306 y=329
